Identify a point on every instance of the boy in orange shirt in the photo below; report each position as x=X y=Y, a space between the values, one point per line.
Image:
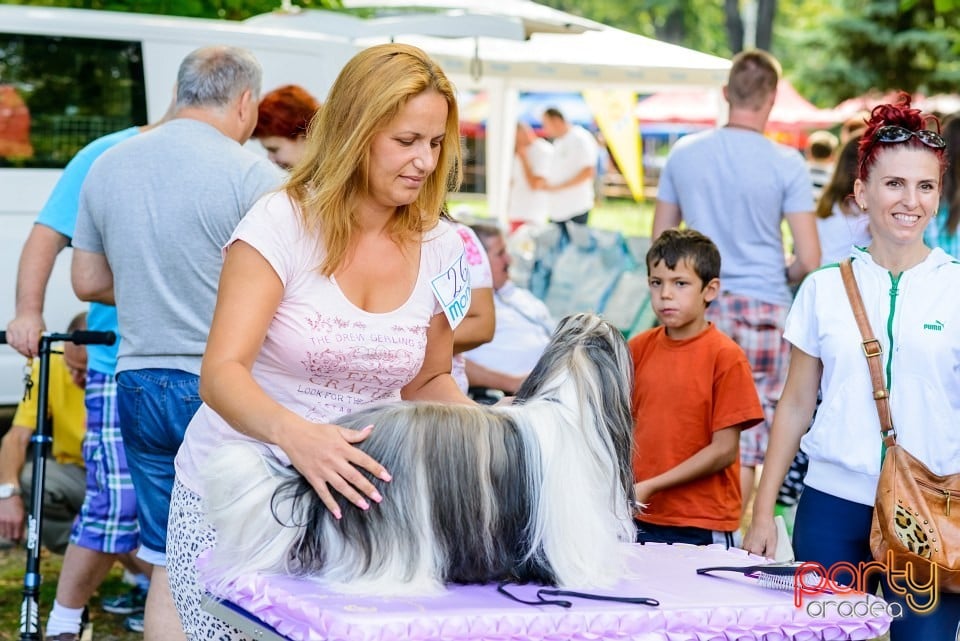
x=693 y=394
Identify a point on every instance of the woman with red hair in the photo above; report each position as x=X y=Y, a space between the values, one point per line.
x=909 y=295
x=282 y=120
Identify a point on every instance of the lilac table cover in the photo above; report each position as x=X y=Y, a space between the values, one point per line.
x=722 y=607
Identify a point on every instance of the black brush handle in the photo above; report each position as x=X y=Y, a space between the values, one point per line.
x=775 y=569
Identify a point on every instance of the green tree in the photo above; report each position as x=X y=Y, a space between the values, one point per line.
x=791 y=44
x=697 y=24
x=711 y=26
x=912 y=45
x=738 y=21
x=830 y=49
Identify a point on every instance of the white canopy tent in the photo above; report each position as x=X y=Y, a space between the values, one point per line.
x=561 y=52
x=536 y=18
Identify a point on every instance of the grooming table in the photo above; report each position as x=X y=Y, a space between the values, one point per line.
x=721 y=607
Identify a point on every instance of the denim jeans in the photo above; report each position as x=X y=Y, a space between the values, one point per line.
x=155 y=406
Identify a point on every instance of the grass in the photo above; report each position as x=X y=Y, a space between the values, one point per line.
x=106 y=627
x=626 y=216
x=616 y=214
x=13 y=563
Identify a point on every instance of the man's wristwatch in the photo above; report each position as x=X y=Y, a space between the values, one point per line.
x=7 y=490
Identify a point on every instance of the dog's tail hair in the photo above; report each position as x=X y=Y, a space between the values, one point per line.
x=238 y=481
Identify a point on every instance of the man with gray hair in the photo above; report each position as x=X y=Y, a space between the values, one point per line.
x=155 y=212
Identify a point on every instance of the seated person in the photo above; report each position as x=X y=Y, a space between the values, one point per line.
x=523 y=325
x=693 y=393
x=477 y=325
x=65 y=479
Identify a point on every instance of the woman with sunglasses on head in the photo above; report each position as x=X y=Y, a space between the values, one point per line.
x=908 y=291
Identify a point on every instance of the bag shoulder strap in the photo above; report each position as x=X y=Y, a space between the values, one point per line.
x=873 y=350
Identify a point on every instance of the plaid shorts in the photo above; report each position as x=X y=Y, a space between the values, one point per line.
x=757 y=327
x=108 y=519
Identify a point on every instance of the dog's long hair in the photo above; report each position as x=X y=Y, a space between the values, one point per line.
x=538 y=491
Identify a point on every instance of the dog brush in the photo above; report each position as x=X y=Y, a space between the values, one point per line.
x=775 y=576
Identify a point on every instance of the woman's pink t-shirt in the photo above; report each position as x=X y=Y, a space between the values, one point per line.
x=323 y=357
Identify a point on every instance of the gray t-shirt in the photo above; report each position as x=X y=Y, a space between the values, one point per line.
x=160 y=206
x=736 y=186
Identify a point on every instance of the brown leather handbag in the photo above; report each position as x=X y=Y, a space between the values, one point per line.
x=916 y=516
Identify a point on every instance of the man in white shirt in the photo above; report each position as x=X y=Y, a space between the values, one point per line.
x=524 y=325
x=570 y=177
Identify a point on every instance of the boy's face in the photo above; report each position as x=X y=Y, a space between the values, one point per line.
x=680 y=298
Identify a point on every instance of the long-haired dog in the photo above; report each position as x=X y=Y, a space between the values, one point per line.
x=537 y=491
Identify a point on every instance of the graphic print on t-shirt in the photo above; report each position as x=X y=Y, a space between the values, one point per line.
x=354 y=362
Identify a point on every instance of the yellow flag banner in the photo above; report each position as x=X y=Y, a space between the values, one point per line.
x=615 y=113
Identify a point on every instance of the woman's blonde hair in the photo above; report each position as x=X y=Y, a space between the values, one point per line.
x=369 y=92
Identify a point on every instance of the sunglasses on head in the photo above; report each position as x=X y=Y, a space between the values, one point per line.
x=896 y=133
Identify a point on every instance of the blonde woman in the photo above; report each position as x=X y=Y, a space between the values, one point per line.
x=341 y=290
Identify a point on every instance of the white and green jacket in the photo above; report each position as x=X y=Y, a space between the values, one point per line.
x=916 y=318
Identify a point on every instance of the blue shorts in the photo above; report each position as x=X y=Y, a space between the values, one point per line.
x=156 y=406
x=108 y=518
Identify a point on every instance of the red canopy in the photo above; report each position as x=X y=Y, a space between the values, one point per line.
x=791 y=111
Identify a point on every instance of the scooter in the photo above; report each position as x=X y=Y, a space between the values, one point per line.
x=41 y=440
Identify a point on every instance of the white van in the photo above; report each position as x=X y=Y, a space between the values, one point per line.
x=68 y=76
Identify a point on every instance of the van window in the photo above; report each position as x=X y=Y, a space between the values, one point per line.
x=57 y=94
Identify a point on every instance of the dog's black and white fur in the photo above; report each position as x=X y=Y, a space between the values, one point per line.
x=538 y=491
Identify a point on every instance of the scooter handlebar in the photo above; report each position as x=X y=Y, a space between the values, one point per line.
x=81 y=337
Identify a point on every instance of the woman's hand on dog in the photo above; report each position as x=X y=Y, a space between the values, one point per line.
x=325 y=455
